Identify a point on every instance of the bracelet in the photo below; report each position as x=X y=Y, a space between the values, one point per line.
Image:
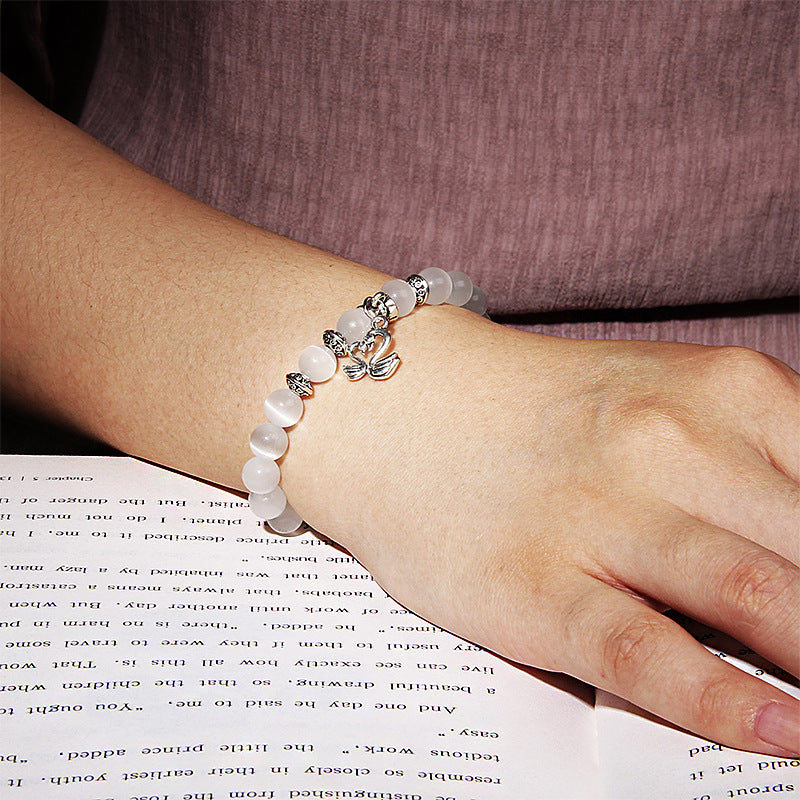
x=361 y=335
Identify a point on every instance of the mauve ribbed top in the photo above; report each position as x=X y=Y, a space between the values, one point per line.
x=582 y=161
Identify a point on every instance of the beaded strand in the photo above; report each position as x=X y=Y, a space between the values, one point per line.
x=355 y=336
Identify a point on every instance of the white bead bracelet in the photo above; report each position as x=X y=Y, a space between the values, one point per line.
x=361 y=335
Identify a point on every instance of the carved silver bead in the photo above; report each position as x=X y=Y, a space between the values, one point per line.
x=336 y=342
x=362 y=334
x=381 y=305
x=420 y=287
x=299 y=384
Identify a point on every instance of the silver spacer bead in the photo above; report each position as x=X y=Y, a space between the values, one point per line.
x=420 y=286
x=299 y=384
x=381 y=305
x=336 y=342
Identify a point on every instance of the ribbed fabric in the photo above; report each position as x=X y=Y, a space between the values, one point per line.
x=776 y=334
x=568 y=155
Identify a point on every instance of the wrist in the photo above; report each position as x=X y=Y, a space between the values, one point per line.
x=361 y=337
x=360 y=445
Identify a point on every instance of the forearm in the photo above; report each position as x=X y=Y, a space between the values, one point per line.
x=140 y=315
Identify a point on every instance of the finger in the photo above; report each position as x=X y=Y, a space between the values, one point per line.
x=763 y=394
x=721 y=579
x=750 y=497
x=772 y=517
x=620 y=645
x=726 y=482
x=783 y=450
x=779 y=440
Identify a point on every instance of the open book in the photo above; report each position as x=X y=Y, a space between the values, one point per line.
x=156 y=643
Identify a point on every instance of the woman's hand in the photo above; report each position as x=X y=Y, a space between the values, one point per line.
x=540 y=496
x=534 y=495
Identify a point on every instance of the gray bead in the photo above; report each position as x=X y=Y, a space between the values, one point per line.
x=477 y=302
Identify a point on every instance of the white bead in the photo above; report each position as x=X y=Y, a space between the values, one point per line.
x=462 y=288
x=283 y=407
x=439 y=285
x=269 y=441
x=261 y=475
x=267 y=506
x=353 y=325
x=287 y=522
x=402 y=294
x=478 y=302
x=317 y=363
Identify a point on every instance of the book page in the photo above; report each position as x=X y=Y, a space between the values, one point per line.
x=670 y=763
x=156 y=642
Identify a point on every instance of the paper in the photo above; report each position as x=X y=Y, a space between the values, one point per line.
x=157 y=643
x=639 y=754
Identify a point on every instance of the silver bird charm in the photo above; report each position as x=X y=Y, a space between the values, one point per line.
x=379 y=366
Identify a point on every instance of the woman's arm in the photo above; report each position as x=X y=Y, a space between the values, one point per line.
x=139 y=315
x=534 y=495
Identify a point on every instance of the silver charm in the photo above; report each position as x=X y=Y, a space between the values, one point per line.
x=299 y=384
x=379 y=366
x=336 y=342
x=381 y=305
x=420 y=286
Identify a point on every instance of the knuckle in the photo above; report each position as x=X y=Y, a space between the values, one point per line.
x=630 y=648
x=758 y=586
x=658 y=429
x=712 y=701
x=730 y=366
x=738 y=360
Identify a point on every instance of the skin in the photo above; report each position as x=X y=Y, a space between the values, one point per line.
x=541 y=497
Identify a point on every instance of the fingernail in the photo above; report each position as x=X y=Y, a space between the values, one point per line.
x=779 y=725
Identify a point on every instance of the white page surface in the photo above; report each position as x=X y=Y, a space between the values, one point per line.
x=155 y=642
x=643 y=758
